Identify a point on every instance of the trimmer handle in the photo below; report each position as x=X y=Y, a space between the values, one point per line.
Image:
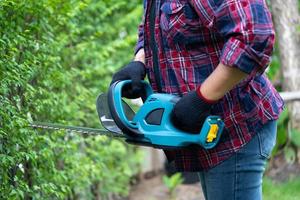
x=116 y=106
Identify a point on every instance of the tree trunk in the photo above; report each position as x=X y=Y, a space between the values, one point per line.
x=286 y=19
x=28 y=178
x=95 y=190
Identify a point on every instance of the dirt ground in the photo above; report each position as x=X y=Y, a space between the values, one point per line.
x=154 y=189
x=281 y=170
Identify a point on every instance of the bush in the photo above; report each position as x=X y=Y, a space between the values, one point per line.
x=55 y=57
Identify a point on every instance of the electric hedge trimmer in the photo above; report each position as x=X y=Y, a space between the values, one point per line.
x=149 y=126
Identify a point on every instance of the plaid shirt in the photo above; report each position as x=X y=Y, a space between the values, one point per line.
x=192 y=37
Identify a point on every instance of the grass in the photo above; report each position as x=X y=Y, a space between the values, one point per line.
x=289 y=190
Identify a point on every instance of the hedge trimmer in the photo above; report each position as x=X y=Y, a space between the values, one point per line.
x=149 y=126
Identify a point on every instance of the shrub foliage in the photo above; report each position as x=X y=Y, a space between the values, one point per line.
x=55 y=57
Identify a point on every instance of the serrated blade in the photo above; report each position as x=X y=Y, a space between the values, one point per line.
x=77 y=129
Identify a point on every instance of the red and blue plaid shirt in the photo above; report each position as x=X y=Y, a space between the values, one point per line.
x=192 y=37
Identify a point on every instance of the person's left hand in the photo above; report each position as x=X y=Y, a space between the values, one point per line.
x=190 y=112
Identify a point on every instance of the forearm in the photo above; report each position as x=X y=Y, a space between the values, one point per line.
x=223 y=79
x=140 y=56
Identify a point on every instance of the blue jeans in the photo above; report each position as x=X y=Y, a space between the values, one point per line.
x=240 y=177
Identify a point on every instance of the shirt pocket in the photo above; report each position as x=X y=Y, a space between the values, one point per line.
x=179 y=22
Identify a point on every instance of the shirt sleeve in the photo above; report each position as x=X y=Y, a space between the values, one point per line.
x=246 y=26
x=140 y=43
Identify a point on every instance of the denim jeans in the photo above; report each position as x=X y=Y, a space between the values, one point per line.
x=240 y=177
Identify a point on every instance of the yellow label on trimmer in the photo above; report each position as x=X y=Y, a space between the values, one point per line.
x=212 y=134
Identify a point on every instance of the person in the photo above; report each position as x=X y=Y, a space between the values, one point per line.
x=214 y=54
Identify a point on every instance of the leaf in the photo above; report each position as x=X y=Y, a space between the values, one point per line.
x=176 y=179
x=281 y=135
x=166 y=181
x=283 y=117
x=295 y=137
x=289 y=155
x=173 y=181
x=35 y=187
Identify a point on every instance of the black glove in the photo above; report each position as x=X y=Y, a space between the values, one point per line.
x=190 y=112
x=134 y=71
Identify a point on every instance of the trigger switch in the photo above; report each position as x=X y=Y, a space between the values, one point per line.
x=155 y=117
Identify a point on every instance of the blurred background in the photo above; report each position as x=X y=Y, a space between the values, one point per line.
x=56 y=56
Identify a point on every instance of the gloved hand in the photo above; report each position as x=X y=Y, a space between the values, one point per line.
x=190 y=112
x=134 y=71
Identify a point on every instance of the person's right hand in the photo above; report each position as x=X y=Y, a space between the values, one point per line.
x=134 y=71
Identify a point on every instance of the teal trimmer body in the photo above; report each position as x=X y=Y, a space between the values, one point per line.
x=151 y=124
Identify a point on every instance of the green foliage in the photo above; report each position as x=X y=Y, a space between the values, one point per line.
x=172 y=182
x=274 y=68
x=55 y=57
x=284 y=191
x=282 y=136
x=295 y=137
x=288 y=140
x=289 y=154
